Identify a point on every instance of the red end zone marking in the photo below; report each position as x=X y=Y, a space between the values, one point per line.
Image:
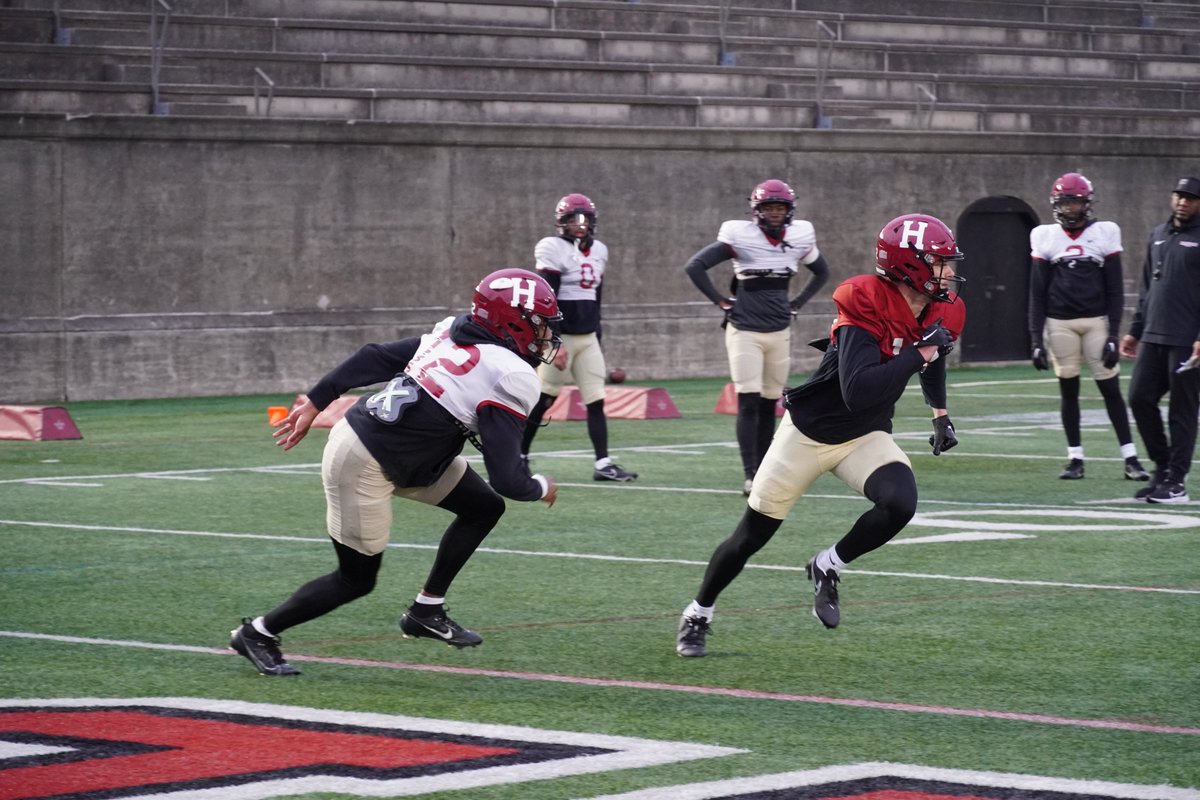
x=195 y=749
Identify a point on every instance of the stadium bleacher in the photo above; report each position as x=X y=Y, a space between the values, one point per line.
x=1109 y=66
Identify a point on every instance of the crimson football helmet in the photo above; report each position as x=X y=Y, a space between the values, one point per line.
x=520 y=308
x=1071 y=186
x=571 y=206
x=911 y=249
x=772 y=191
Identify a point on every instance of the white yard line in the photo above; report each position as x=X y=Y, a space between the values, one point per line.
x=314 y=540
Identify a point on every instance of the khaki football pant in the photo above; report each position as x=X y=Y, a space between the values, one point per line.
x=794 y=461
x=1073 y=342
x=759 y=362
x=358 y=496
x=585 y=363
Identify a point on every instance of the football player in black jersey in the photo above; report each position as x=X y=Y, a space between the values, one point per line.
x=767 y=251
x=1076 y=296
x=472 y=376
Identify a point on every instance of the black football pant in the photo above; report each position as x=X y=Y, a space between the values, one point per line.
x=1153 y=377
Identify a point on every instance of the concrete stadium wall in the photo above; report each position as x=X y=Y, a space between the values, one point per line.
x=163 y=257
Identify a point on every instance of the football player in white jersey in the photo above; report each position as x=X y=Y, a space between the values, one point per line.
x=1076 y=296
x=766 y=252
x=472 y=376
x=573 y=262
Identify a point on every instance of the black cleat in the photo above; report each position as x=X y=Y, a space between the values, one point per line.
x=1169 y=491
x=692 y=633
x=825 y=594
x=1073 y=471
x=262 y=651
x=437 y=626
x=1134 y=471
x=613 y=473
x=1156 y=480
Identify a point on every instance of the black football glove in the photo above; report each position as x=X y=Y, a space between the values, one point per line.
x=936 y=334
x=1111 y=353
x=943 y=435
x=1038 y=357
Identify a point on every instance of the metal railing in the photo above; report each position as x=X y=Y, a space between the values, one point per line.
x=925 y=113
x=261 y=78
x=158 y=37
x=826 y=36
x=61 y=35
x=724 y=57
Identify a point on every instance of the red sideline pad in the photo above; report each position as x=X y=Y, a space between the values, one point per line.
x=727 y=402
x=37 y=423
x=620 y=402
x=333 y=412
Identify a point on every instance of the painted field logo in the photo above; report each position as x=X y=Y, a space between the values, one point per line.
x=159 y=747
x=888 y=781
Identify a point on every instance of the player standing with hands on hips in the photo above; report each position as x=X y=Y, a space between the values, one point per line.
x=573 y=262
x=766 y=252
x=472 y=376
x=901 y=321
x=1164 y=337
x=1076 y=297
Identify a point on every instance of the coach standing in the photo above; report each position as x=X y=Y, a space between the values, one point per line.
x=1165 y=337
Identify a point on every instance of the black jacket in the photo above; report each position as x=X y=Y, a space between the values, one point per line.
x=1168 y=307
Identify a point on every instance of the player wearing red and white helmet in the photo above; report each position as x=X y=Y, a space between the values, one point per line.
x=574 y=263
x=471 y=376
x=899 y=322
x=1076 y=297
x=767 y=251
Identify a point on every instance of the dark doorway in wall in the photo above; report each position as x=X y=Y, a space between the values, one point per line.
x=993 y=233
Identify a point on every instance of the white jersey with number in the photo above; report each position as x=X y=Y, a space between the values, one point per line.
x=755 y=255
x=1096 y=242
x=464 y=378
x=581 y=272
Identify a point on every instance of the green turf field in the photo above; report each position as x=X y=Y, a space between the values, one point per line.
x=1021 y=624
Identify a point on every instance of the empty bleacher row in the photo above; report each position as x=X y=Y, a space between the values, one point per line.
x=991 y=66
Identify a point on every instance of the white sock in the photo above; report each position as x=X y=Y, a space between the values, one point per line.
x=829 y=560
x=1075 y=452
x=694 y=609
x=426 y=600
x=601 y=463
x=1129 y=450
x=257 y=624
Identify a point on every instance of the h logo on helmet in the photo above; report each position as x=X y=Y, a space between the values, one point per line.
x=914 y=233
x=522 y=288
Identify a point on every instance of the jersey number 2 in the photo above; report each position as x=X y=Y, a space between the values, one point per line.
x=459 y=361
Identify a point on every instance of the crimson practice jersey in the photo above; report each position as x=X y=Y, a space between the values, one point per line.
x=464 y=378
x=872 y=304
x=869 y=361
x=580 y=274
